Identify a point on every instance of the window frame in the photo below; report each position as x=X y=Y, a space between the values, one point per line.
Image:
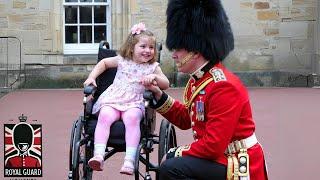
x=86 y=48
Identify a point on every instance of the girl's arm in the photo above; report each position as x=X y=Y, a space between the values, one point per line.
x=100 y=68
x=161 y=79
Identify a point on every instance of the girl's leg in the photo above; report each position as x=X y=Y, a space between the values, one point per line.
x=107 y=116
x=131 y=119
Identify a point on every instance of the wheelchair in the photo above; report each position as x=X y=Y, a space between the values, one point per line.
x=82 y=132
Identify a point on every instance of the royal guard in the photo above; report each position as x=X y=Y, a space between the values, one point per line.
x=216 y=104
x=23 y=141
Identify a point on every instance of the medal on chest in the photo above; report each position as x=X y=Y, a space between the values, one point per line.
x=200 y=107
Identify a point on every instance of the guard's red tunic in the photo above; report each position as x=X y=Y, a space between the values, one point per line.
x=227 y=117
x=23 y=162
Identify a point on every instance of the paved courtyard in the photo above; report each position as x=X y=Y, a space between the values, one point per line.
x=287 y=122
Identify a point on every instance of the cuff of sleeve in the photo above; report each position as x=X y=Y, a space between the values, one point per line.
x=161 y=101
x=177 y=151
x=180 y=149
x=164 y=104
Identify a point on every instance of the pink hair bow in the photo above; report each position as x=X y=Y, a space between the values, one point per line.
x=138 y=28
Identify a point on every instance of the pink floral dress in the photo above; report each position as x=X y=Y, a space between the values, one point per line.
x=126 y=91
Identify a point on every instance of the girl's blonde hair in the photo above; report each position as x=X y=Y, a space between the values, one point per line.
x=126 y=50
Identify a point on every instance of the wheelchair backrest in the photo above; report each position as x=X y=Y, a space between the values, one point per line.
x=105 y=79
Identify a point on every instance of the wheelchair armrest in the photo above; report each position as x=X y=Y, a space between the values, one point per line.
x=89 y=90
x=148 y=96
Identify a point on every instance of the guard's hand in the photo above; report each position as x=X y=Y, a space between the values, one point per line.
x=157 y=92
x=90 y=81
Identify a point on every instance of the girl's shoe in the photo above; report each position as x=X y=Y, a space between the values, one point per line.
x=96 y=163
x=127 y=167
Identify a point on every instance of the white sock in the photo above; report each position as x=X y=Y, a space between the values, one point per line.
x=131 y=153
x=99 y=149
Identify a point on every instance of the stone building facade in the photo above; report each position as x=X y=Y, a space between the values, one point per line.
x=272 y=37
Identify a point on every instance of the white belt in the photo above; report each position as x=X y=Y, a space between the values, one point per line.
x=237 y=170
x=246 y=143
x=250 y=141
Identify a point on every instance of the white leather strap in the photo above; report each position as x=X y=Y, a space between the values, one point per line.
x=250 y=141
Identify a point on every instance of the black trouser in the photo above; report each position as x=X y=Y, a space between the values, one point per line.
x=188 y=167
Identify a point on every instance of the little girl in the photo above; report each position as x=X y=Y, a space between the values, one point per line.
x=137 y=67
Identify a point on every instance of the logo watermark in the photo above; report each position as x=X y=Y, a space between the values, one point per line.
x=22 y=149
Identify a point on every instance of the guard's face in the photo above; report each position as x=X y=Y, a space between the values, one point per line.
x=143 y=50
x=23 y=147
x=184 y=60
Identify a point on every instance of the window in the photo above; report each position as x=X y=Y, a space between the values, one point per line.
x=86 y=23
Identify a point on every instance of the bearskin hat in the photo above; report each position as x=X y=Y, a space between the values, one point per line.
x=199 y=26
x=22 y=133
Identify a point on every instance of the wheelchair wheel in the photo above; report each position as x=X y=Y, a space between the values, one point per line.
x=71 y=146
x=141 y=163
x=81 y=153
x=139 y=169
x=167 y=138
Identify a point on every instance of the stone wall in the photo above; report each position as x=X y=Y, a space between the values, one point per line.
x=153 y=14
x=273 y=34
x=37 y=23
x=270 y=35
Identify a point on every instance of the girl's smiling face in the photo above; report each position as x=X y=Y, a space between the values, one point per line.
x=144 y=50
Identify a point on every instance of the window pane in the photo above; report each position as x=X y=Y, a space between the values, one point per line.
x=85 y=14
x=100 y=14
x=71 y=14
x=85 y=0
x=99 y=33
x=85 y=34
x=71 y=34
x=71 y=0
x=100 y=0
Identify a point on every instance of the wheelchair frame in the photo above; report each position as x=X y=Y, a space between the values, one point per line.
x=81 y=142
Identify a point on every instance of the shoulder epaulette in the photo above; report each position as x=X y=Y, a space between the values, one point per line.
x=217 y=75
